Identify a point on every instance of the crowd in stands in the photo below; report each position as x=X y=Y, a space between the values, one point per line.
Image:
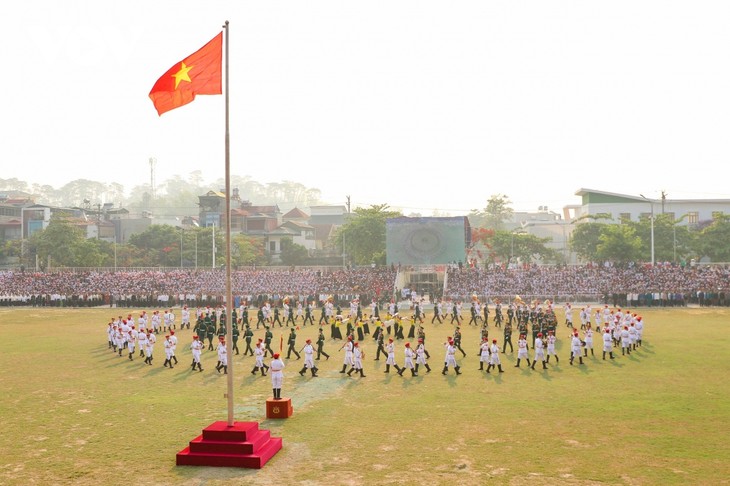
x=630 y=285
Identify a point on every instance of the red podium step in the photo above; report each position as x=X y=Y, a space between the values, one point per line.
x=241 y=445
x=280 y=408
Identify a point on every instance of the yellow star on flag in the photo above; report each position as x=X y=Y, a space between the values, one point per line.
x=182 y=74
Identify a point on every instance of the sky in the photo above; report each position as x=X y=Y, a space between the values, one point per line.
x=427 y=106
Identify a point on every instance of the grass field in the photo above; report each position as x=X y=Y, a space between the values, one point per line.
x=74 y=413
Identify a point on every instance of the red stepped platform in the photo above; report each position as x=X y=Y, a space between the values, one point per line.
x=241 y=445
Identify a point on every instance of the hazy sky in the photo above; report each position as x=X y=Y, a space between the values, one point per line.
x=419 y=104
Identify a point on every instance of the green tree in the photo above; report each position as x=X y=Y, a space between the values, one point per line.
x=293 y=253
x=247 y=250
x=712 y=240
x=585 y=240
x=619 y=243
x=61 y=241
x=364 y=234
x=497 y=212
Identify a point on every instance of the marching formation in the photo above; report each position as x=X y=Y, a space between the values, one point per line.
x=536 y=325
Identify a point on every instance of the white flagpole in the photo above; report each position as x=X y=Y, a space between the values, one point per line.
x=229 y=298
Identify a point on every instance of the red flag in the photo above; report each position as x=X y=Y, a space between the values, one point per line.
x=199 y=73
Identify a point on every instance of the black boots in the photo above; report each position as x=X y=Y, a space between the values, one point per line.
x=387 y=369
x=344 y=367
x=200 y=368
x=302 y=371
x=481 y=366
x=314 y=371
x=457 y=368
x=361 y=373
x=518 y=363
x=446 y=369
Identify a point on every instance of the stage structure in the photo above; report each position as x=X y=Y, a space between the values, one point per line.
x=426 y=241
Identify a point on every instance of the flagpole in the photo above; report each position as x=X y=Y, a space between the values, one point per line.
x=229 y=297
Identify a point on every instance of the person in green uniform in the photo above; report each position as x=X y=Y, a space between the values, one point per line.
x=292 y=344
x=234 y=334
x=507 y=338
x=457 y=340
x=381 y=346
x=260 y=318
x=268 y=337
x=276 y=317
x=247 y=336
x=210 y=333
x=320 y=345
x=244 y=316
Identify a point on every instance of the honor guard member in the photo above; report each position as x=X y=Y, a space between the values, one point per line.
x=437 y=312
x=494 y=357
x=498 y=318
x=201 y=328
x=408 y=355
x=588 y=337
x=290 y=317
x=292 y=343
x=268 y=337
x=173 y=348
x=185 y=318
x=259 y=354
x=244 y=315
x=222 y=356
x=168 y=350
x=639 y=330
x=308 y=350
x=522 y=350
x=150 y=347
x=510 y=313
x=625 y=341
x=450 y=359
x=381 y=345
x=484 y=335
x=349 y=357
x=320 y=345
x=248 y=336
x=632 y=336
x=260 y=318
x=357 y=355
x=455 y=314
x=539 y=352
x=473 y=314
x=142 y=341
x=277 y=375
x=484 y=353
x=196 y=347
x=421 y=356
x=422 y=339
x=551 y=341
x=276 y=317
x=607 y=343
x=486 y=312
x=575 y=345
x=390 y=348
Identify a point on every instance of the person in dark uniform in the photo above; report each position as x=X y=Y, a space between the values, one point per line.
x=417 y=314
x=290 y=317
x=210 y=333
x=507 y=338
x=486 y=313
x=484 y=333
x=381 y=346
x=320 y=345
x=455 y=314
x=308 y=315
x=268 y=337
x=323 y=315
x=498 y=317
x=360 y=333
x=457 y=340
x=235 y=333
x=422 y=340
x=247 y=336
x=201 y=329
x=260 y=318
x=378 y=332
x=292 y=344
x=276 y=317
x=336 y=331
x=510 y=314
x=398 y=329
x=436 y=313
x=244 y=316
x=473 y=313
x=412 y=330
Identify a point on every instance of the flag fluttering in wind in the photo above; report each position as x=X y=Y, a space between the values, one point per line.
x=199 y=73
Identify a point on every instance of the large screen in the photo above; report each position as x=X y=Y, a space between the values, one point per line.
x=426 y=241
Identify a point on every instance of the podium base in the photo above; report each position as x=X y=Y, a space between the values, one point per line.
x=242 y=444
x=280 y=408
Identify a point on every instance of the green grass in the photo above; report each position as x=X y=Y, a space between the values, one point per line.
x=74 y=413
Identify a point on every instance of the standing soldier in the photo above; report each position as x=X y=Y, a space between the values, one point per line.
x=292 y=343
x=173 y=348
x=196 y=348
x=320 y=344
x=494 y=357
x=247 y=336
x=588 y=336
x=260 y=317
x=185 y=318
x=437 y=312
x=210 y=331
x=421 y=356
x=151 y=340
x=130 y=342
x=625 y=341
x=308 y=361
x=308 y=314
x=277 y=375
x=142 y=341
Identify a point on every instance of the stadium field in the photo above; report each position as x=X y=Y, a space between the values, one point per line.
x=73 y=412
